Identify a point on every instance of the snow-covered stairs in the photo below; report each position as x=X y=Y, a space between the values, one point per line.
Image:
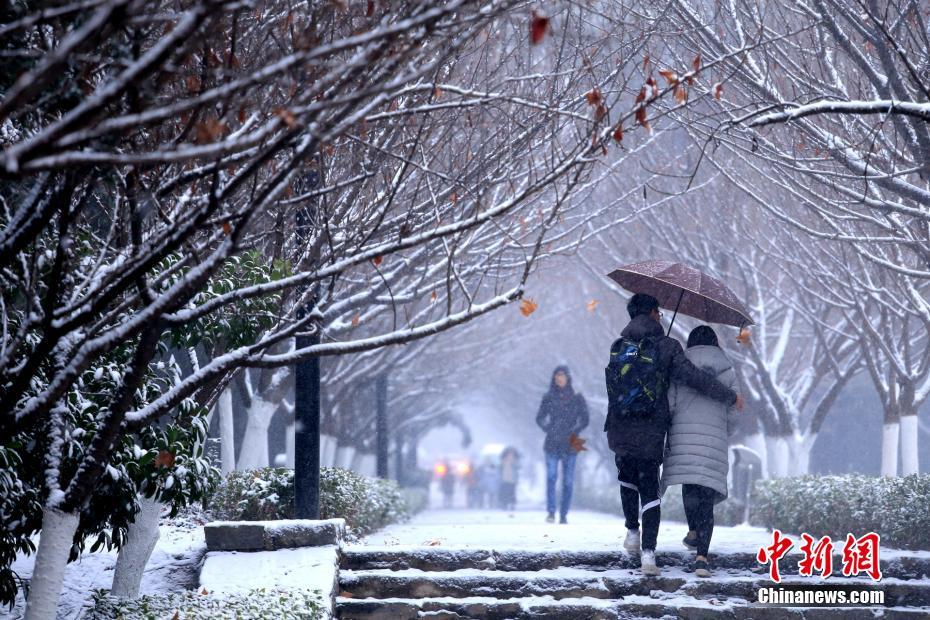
x=433 y=582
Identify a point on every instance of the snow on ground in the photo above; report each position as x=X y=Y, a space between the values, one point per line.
x=527 y=529
x=305 y=567
x=585 y=530
x=173 y=567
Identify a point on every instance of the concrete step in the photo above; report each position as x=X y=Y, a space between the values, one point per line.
x=903 y=567
x=572 y=583
x=547 y=608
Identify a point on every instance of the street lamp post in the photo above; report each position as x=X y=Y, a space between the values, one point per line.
x=307 y=390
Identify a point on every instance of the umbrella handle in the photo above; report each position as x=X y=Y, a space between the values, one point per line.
x=676 y=312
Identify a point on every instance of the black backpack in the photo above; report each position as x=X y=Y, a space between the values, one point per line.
x=634 y=379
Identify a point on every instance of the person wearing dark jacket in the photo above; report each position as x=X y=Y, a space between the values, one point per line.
x=562 y=413
x=638 y=442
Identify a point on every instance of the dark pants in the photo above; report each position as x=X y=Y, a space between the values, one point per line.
x=699 y=509
x=639 y=485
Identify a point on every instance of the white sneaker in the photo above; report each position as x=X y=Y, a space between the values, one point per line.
x=631 y=543
x=648 y=563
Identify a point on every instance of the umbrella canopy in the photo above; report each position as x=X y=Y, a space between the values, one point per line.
x=684 y=289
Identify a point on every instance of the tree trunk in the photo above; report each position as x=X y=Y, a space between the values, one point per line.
x=344 y=456
x=135 y=553
x=890 y=433
x=58 y=530
x=800 y=450
x=778 y=454
x=909 y=432
x=756 y=442
x=254 y=451
x=327 y=450
x=289 y=445
x=224 y=407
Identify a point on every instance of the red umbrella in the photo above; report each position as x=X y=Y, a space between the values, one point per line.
x=684 y=289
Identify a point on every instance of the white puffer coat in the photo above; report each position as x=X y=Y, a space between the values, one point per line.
x=697 y=439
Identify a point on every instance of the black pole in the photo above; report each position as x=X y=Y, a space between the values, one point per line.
x=676 y=312
x=382 y=426
x=399 y=459
x=307 y=394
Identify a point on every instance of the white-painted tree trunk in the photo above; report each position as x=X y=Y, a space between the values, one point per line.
x=800 y=451
x=890 y=432
x=327 y=450
x=367 y=465
x=344 y=456
x=254 y=451
x=289 y=446
x=909 y=434
x=778 y=454
x=136 y=551
x=224 y=407
x=756 y=441
x=58 y=530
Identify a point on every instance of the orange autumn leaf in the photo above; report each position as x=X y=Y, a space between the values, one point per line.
x=528 y=306
x=227 y=228
x=696 y=63
x=577 y=443
x=593 y=96
x=164 y=459
x=681 y=94
x=670 y=76
x=539 y=26
x=204 y=592
x=210 y=130
x=287 y=116
x=376 y=261
x=592 y=305
x=356 y=320
x=433 y=543
x=618 y=133
x=645 y=62
x=433 y=297
x=454 y=197
x=744 y=336
x=718 y=90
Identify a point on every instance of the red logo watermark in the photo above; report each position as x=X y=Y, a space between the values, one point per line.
x=860 y=555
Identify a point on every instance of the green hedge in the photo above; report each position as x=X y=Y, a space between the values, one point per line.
x=896 y=508
x=257 y=604
x=366 y=504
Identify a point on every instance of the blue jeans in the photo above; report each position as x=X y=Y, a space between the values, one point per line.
x=568 y=480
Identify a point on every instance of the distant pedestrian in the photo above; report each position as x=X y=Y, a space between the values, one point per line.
x=563 y=414
x=510 y=472
x=446 y=483
x=643 y=362
x=696 y=455
x=490 y=483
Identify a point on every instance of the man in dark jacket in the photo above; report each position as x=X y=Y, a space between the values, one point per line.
x=639 y=441
x=562 y=413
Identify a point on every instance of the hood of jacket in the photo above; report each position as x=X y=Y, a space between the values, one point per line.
x=642 y=327
x=710 y=358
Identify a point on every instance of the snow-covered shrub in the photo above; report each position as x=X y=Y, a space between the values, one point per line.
x=896 y=508
x=261 y=494
x=259 y=604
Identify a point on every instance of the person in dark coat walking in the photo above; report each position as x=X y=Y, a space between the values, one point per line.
x=638 y=442
x=562 y=414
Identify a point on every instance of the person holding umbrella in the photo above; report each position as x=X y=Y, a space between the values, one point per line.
x=644 y=361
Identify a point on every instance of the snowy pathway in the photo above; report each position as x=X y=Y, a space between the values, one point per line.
x=527 y=529
x=494 y=565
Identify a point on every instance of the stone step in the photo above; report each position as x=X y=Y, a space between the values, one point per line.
x=573 y=583
x=448 y=559
x=547 y=608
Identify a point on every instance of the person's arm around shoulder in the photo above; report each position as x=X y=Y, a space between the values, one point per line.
x=683 y=371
